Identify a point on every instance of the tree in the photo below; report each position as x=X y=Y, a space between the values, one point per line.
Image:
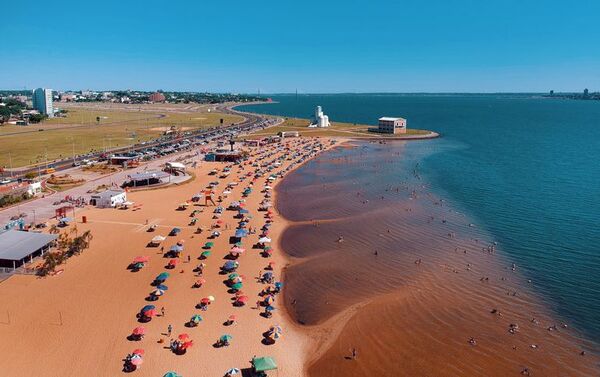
x=36 y=118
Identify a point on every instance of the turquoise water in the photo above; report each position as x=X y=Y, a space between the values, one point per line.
x=525 y=169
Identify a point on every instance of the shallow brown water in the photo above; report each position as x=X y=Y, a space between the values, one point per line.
x=366 y=230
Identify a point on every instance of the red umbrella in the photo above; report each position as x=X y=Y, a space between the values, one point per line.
x=150 y=313
x=141 y=259
x=138 y=351
x=187 y=345
x=205 y=300
x=183 y=337
x=242 y=204
x=139 y=331
x=242 y=299
x=200 y=281
x=173 y=262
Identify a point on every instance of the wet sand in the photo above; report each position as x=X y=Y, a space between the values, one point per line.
x=382 y=266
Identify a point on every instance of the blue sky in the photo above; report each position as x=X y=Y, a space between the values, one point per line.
x=313 y=46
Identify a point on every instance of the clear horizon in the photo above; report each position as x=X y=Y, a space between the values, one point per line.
x=314 y=47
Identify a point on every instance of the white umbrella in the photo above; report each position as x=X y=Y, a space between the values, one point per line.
x=232 y=372
x=264 y=240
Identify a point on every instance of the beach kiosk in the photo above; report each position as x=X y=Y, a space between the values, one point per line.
x=261 y=366
x=109 y=198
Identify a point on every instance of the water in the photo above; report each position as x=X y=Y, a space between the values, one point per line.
x=526 y=170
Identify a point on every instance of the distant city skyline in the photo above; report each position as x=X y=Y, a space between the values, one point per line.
x=275 y=47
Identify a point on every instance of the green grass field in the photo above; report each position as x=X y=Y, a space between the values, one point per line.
x=336 y=129
x=80 y=133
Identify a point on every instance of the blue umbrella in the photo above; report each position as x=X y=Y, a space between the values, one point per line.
x=278 y=285
x=163 y=276
x=148 y=307
x=229 y=265
x=267 y=275
x=241 y=233
x=162 y=287
x=243 y=211
x=177 y=248
x=270 y=308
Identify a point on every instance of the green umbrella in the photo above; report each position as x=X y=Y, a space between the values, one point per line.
x=171 y=374
x=233 y=276
x=209 y=244
x=237 y=286
x=263 y=364
x=225 y=338
x=206 y=253
x=196 y=318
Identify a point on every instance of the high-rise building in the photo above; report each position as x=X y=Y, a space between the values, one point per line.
x=42 y=101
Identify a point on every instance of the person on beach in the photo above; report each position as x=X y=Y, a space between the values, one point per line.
x=208 y=198
x=162 y=311
x=169 y=330
x=354 y=354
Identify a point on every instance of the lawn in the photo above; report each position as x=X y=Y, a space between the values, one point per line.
x=80 y=133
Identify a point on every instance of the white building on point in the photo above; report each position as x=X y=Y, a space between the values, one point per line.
x=321 y=120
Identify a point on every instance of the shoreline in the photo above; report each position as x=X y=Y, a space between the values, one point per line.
x=324 y=335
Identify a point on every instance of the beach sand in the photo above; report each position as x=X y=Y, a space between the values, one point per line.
x=77 y=323
x=402 y=318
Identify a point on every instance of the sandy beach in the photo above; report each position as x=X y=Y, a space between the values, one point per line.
x=78 y=322
x=413 y=293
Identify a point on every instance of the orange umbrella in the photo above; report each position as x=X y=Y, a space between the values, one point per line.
x=232 y=317
x=138 y=351
x=183 y=337
x=173 y=262
x=139 y=330
x=141 y=259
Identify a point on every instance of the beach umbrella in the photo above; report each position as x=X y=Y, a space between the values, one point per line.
x=278 y=285
x=147 y=307
x=176 y=248
x=138 y=265
x=183 y=337
x=158 y=292
x=264 y=240
x=275 y=335
x=232 y=318
x=162 y=287
x=237 y=286
x=243 y=211
x=209 y=244
x=196 y=318
x=236 y=280
x=171 y=374
x=239 y=233
x=163 y=276
x=269 y=300
x=139 y=330
x=173 y=262
x=267 y=275
x=211 y=298
x=230 y=265
x=242 y=299
x=225 y=338
x=232 y=276
x=206 y=253
x=136 y=361
x=149 y=313
x=237 y=250
x=187 y=345
x=233 y=372
x=205 y=300
x=141 y=259
x=270 y=308
x=200 y=281
x=138 y=351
